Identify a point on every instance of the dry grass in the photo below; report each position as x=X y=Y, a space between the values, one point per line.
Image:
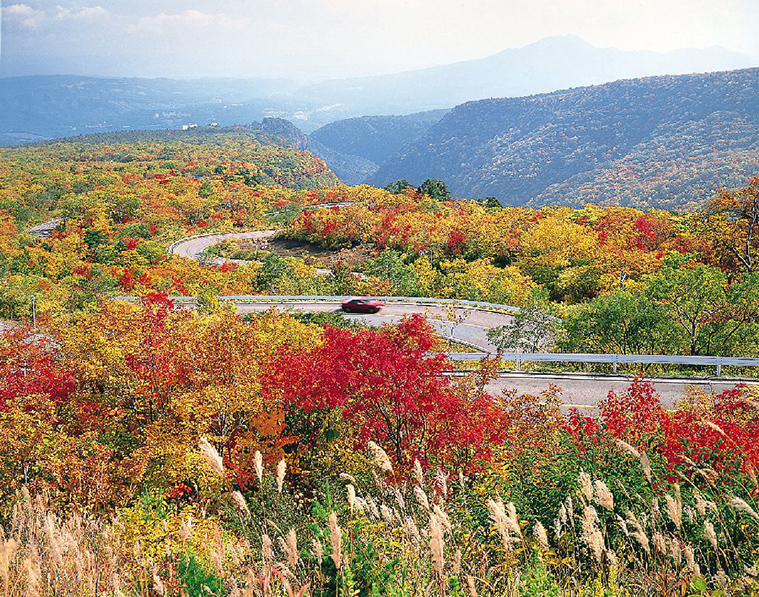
x=421 y=529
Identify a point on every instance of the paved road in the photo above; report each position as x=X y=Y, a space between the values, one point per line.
x=583 y=391
x=193 y=247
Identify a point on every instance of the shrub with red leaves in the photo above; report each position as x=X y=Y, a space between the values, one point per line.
x=633 y=414
x=723 y=436
x=28 y=367
x=389 y=384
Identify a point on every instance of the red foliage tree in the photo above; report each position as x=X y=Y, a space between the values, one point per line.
x=28 y=367
x=390 y=384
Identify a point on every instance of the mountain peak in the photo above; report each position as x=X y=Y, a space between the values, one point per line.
x=560 y=42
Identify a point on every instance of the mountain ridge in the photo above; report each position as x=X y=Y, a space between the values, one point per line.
x=516 y=148
x=50 y=106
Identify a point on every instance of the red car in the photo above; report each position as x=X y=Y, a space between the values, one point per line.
x=362 y=305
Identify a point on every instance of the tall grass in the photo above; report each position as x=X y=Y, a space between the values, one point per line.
x=435 y=535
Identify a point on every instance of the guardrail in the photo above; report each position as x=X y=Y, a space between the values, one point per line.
x=172 y=246
x=615 y=359
x=419 y=300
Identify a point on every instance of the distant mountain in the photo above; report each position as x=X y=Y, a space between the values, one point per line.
x=547 y=65
x=350 y=169
x=39 y=107
x=659 y=141
x=376 y=138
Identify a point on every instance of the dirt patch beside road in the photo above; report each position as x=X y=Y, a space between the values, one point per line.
x=314 y=254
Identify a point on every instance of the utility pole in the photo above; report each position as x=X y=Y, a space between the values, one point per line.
x=34 y=312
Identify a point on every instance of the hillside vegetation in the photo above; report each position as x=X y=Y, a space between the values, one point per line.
x=152 y=450
x=656 y=142
x=123 y=197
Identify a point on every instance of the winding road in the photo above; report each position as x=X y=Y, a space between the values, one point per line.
x=192 y=247
x=466 y=325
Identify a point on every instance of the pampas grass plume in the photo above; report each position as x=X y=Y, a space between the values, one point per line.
x=436 y=543
x=240 y=502
x=604 y=497
x=281 y=469
x=586 y=486
x=336 y=538
x=539 y=531
x=418 y=473
x=258 y=462
x=741 y=505
x=380 y=457
x=291 y=547
x=211 y=456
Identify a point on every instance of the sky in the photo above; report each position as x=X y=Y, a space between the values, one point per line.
x=317 y=39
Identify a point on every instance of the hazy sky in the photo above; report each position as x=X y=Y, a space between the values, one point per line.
x=336 y=38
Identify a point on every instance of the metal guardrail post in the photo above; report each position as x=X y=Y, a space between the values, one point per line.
x=719 y=368
x=519 y=361
x=616 y=360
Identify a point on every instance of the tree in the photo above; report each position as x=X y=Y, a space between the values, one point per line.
x=694 y=295
x=620 y=322
x=531 y=330
x=390 y=387
x=391 y=266
x=435 y=188
x=491 y=203
x=399 y=186
x=732 y=223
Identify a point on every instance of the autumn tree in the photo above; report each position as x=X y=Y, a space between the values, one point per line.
x=732 y=223
x=389 y=385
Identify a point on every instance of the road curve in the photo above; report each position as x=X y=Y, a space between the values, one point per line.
x=466 y=325
x=192 y=247
x=469 y=326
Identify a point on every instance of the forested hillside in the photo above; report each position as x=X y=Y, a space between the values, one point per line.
x=376 y=138
x=349 y=168
x=660 y=141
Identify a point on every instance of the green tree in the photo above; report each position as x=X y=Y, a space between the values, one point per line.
x=276 y=274
x=695 y=298
x=532 y=329
x=399 y=186
x=736 y=332
x=435 y=188
x=619 y=322
x=492 y=203
x=391 y=265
